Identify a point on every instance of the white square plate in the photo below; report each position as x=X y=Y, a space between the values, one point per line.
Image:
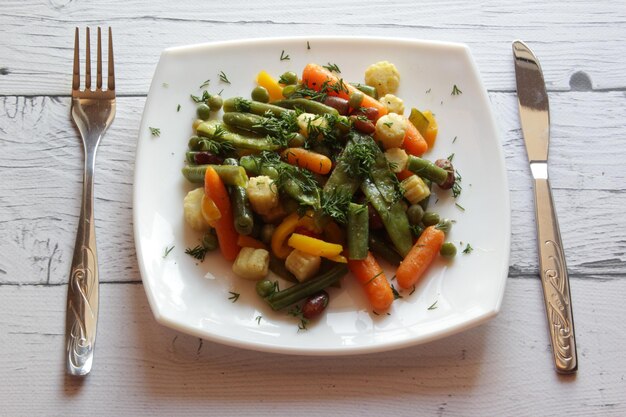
x=194 y=297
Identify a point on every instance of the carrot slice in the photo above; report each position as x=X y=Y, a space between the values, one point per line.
x=313 y=161
x=373 y=280
x=227 y=236
x=420 y=257
x=414 y=142
x=315 y=76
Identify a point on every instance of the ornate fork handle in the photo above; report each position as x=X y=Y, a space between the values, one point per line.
x=554 y=277
x=82 y=292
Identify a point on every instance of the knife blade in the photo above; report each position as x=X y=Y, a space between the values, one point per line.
x=534 y=111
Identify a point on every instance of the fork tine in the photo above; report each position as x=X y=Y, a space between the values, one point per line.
x=99 y=63
x=88 y=63
x=111 y=80
x=76 y=75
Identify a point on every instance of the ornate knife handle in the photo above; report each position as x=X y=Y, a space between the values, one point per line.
x=82 y=290
x=554 y=278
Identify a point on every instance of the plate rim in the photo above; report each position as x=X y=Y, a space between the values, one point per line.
x=486 y=313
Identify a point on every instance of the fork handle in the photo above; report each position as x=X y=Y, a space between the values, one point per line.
x=554 y=277
x=82 y=290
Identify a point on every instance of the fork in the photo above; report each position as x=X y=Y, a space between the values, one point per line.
x=92 y=111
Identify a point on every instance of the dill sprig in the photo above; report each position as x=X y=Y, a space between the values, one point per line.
x=205 y=84
x=468 y=249
x=335 y=205
x=234 y=296
x=218 y=148
x=457 y=188
x=281 y=129
x=359 y=159
x=201 y=99
x=296 y=311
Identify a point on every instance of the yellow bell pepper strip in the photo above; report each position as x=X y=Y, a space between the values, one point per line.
x=339 y=258
x=210 y=212
x=431 y=131
x=288 y=225
x=313 y=246
x=271 y=85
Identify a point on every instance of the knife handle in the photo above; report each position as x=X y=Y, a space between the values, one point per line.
x=553 y=272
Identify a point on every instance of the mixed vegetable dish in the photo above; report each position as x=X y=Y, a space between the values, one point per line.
x=313 y=177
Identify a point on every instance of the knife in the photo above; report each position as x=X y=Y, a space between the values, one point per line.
x=535 y=120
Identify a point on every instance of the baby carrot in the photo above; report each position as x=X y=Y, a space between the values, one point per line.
x=314 y=76
x=414 y=142
x=373 y=280
x=420 y=256
x=310 y=160
x=215 y=189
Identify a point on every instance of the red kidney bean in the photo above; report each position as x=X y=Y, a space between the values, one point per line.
x=338 y=103
x=314 y=305
x=203 y=158
x=363 y=126
x=446 y=165
x=374 y=218
x=369 y=112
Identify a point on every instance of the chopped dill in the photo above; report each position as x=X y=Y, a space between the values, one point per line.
x=460 y=206
x=205 y=84
x=335 y=205
x=433 y=306
x=457 y=188
x=258 y=319
x=450 y=157
x=359 y=158
x=242 y=105
x=283 y=56
x=155 y=131
x=224 y=78
x=412 y=290
x=395 y=292
x=456 y=91
x=234 y=296
x=165 y=85
x=296 y=311
x=468 y=249
x=454 y=140
x=178 y=108
x=308 y=45
x=201 y=99
x=332 y=68
x=167 y=251
x=199 y=252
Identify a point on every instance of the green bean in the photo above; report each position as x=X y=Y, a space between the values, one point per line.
x=382 y=248
x=427 y=169
x=426 y=200
x=229 y=174
x=242 y=211
x=240 y=104
x=281 y=299
x=430 y=218
x=366 y=89
x=308 y=106
x=203 y=111
x=277 y=266
x=448 y=250
x=340 y=181
x=194 y=143
x=260 y=93
x=214 y=130
x=255 y=167
x=245 y=121
x=358 y=231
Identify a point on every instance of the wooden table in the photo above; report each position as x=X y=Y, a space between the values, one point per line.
x=501 y=368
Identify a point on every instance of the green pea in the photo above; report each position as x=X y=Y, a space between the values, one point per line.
x=288 y=90
x=289 y=78
x=209 y=241
x=215 y=102
x=297 y=141
x=415 y=214
x=194 y=142
x=448 y=250
x=203 y=111
x=430 y=218
x=356 y=99
x=260 y=94
x=265 y=287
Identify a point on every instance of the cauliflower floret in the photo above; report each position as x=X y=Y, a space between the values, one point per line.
x=252 y=263
x=384 y=76
x=192 y=205
x=390 y=130
x=262 y=194
x=392 y=103
x=397 y=159
x=308 y=120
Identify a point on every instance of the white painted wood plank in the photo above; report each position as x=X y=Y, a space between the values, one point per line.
x=41 y=163
x=568 y=36
x=501 y=368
